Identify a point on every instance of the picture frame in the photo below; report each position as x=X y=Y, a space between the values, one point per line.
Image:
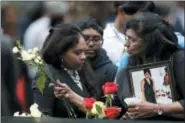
x=153 y=82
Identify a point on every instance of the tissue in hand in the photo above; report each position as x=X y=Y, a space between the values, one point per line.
x=132 y=100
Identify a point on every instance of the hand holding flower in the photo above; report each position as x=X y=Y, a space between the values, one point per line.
x=62 y=90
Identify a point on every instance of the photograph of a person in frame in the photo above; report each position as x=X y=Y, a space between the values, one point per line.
x=148 y=87
x=166 y=77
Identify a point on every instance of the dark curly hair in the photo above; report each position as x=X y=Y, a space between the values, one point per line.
x=90 y=23
x=131 y=7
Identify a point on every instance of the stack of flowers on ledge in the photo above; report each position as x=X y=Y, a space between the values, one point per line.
x=100 y=110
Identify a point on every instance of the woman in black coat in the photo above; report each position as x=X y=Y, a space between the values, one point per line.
x=64 y=53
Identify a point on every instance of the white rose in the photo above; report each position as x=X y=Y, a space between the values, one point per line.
x=39 y=58
x=99 y=103
x=29 y=51
x=132 y=101
x=17 y=114
x=15 y=50
x=35 y=111
x=26 y=56
x=32 y=56
x=40 y=62
x=36 y=61
x=35 y=50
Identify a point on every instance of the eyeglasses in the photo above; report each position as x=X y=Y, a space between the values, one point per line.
x=95 y=39
x=130 y=39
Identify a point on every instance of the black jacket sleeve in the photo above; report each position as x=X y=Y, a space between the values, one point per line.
x=111 y=72
x=46 y=100
x=178 y=67
x=9 y=79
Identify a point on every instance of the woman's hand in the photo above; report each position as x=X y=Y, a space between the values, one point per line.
x=62 y=90
x=141 y=110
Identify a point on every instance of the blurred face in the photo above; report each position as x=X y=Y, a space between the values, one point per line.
x=147 y=75
x=94 y=42
x=11 y=16
x=134 y=43
x=75 y=56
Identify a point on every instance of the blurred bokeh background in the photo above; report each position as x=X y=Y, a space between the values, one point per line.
x=16 y=16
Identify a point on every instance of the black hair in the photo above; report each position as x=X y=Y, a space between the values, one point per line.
x=166 y=69
x=132 y=7
x=147 y=71
x=61 y=38
x=159 y=39
x=163 y=10
x=90 y=23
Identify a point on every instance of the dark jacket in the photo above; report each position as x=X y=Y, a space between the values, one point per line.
x=103 y=67
x=8 y=80
x=50 y=105
x=124 y=90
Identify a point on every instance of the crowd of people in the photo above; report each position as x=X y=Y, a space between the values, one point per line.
x=84 y=55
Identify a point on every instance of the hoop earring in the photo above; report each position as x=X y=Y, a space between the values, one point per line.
x=62 y=60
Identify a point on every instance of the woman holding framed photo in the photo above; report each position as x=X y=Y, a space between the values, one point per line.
x=150 y=39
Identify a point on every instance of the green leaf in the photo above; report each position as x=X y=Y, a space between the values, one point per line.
x=99 y=109
x=40 y=83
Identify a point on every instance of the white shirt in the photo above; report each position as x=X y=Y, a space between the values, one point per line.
x=36 y=33
x=75 y=76
x=35 y=36
x=113 y=43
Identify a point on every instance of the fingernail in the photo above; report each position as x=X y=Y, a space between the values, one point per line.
x=51 y=85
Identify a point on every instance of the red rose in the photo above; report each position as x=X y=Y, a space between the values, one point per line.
x=110 y=88
x=112 y=112
x=88 y=102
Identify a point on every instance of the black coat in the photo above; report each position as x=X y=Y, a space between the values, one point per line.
x=50 y=105
x=13 y=69
x=8 y=80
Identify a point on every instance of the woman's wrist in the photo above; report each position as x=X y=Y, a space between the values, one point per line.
x=157 y=109
x=71 y=95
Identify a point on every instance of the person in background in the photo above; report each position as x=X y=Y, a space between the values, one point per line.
x=179 y=26
x=97 y=57
x=33 y=11
x=64 y=53
x=9 y=103
x=16 y=94
x=38 y=30
x=10 y=35
x=167 y=11
x=9 y=21
x=150 y=39
x=113 y=35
